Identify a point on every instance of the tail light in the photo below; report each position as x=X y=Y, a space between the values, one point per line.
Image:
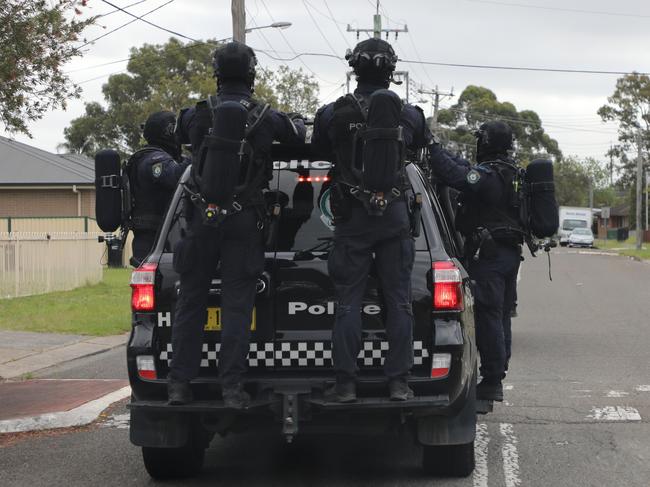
x=142 y=287
x=447 y=287
x=440 y=364
x=146 y=367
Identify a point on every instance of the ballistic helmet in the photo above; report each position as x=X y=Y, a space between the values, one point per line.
x=160 y=131
x=373 y=60
x=493 y=138
x=159 y=128
x=234 y=61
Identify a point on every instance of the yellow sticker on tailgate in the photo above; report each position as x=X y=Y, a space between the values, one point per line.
x=214 y=320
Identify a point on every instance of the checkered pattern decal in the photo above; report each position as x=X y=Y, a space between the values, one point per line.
x=301 y=354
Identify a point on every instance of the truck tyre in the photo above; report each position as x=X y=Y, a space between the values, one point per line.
x=448 y=460
x=173 y=463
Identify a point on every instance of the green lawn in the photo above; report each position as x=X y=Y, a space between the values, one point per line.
x=101 y=309
x=641 y=254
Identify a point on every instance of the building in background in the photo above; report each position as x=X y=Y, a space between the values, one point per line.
x=37 y=183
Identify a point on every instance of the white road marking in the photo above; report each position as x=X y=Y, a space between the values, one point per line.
x=510 y=455
x=119 y=421
x=508 y=387
x=614 y=413
x=480 y=475
x=617 y=394
x=643 y=388
x=79 y=416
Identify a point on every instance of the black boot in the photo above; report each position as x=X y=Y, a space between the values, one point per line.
x=399 y=389
x=345 y=390
x=490 y=390
x=179 y=393
x=235 y=397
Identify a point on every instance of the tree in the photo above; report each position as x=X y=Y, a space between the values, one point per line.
x=169 y=77
x=629 y=106
x=477 y=105
x=36 y=40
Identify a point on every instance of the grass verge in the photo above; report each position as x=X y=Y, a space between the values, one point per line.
x=101 y=309
x=640 y=254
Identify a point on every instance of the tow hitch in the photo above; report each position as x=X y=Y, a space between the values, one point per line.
x=290 y=416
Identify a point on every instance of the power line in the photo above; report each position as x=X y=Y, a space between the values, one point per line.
x=522 y=68
x=311 y=16
x=560 y=9
x=336 y=23
x=147 y=22
x=124 y=25
x=286 y=41
x=117 y=10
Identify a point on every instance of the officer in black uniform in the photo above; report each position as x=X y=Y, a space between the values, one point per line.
x=236 y=244
x=489 y=220
x=358 y=235
x=154 y=172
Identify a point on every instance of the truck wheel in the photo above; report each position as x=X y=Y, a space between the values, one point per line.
x=173 y=463
x=448 y=460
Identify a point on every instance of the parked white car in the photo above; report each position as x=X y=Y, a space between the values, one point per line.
x=581 y=237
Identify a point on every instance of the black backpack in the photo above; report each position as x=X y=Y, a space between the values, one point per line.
x=369 y=148
x=226 y=129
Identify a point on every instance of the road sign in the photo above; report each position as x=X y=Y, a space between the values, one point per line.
x=604 y=212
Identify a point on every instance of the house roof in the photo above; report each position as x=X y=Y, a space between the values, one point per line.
x=22 y=164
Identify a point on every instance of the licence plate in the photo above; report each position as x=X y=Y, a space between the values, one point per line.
x=214 y=320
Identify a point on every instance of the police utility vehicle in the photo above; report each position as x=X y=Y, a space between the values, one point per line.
x=290 y=360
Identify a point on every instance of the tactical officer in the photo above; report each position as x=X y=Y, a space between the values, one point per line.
x=488 y=218
x=235 y=243
x=358 y=235
x=154 y=172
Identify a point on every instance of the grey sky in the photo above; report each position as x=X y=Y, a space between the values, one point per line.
x=452 y=31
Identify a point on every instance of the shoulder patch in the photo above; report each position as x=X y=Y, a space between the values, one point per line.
x=157 y=169
x=473 y=176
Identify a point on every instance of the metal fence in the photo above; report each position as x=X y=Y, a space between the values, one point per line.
x=36 y=263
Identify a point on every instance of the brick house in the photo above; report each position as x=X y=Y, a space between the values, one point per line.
x=37 y=183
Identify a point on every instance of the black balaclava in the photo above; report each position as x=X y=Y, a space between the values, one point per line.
x=373 y=61
x=493 y=140
x=159 y=131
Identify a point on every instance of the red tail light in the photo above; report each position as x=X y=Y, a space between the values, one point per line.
x=142 y=287
x=447 y=287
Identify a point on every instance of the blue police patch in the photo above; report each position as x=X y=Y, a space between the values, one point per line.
x=473 y=176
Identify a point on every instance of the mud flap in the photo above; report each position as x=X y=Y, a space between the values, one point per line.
x=450 y=430
x=159 y=430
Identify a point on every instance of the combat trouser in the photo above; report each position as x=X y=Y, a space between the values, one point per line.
x=237 y=246
x=495 y=283
x=360 y=240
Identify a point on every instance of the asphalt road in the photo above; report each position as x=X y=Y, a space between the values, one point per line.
x=577 y=410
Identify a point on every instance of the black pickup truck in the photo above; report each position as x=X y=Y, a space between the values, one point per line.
x=290 y=361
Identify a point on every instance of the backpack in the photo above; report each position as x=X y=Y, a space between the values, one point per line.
x=226 y=171
x=369 y=148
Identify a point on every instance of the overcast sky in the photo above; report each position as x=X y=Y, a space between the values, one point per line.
x=580 y=34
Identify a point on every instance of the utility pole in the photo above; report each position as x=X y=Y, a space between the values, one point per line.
x=436 y=96
x=647 y=180
x=611 y=166
x=238 y=8
x=639 y=182
x=377 y=30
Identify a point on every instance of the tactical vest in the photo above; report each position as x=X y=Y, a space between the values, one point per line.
x=148 y=204
x=503 y=219
x=369 y=156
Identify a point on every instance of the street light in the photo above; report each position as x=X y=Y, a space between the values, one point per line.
x=275 y=25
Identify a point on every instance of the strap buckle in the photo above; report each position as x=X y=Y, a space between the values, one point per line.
x=111 y=181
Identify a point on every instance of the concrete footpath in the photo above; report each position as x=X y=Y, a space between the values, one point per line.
x=23 y=353
x=28 y=405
